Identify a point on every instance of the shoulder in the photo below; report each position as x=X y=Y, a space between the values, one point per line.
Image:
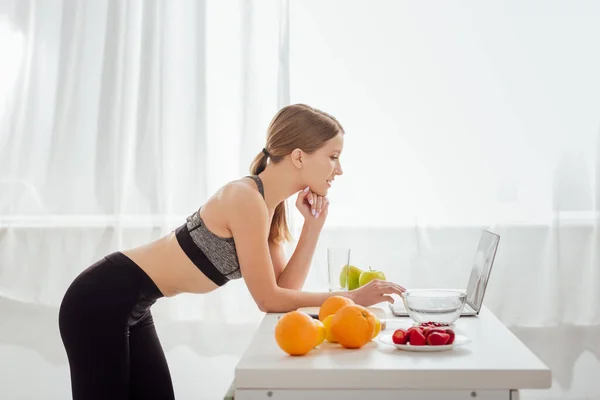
x=241 y=198
x=241 y=191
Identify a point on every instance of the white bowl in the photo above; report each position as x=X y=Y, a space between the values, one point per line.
x=434 y=305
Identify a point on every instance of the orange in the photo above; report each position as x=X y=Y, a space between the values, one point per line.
x=327 y=324
x=320 y=331
x=296 y=333
x=331 y=305
x=352 y=326
x=376 y=323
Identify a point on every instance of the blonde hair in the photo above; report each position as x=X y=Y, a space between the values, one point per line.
x=296 y=126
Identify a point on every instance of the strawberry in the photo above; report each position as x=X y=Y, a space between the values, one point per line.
x=412 y=329
x=450 y=332
x=438 y=339
x=432 y=330
x=400 y=336
x=417 y=338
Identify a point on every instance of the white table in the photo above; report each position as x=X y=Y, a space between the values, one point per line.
x=493 y=366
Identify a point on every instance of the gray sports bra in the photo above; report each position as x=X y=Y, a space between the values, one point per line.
x=214 y=255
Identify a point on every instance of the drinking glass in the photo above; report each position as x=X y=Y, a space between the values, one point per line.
x=337 y=259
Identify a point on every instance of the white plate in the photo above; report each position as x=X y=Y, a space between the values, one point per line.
x=459 y=340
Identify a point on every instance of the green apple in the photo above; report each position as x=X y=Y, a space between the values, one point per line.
x=367 y=276
x=350 y=274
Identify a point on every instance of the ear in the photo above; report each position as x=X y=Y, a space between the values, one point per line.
x=297 y=157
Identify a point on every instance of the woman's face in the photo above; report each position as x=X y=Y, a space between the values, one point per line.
x=324 y=165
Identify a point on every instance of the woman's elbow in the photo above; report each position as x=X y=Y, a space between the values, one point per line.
x=270 y=303
x=267 y=306
x=265 y=302
x=262 y=306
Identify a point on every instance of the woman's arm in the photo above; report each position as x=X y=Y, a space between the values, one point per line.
x=314 y=209
x=248 y=220
x=294 y=274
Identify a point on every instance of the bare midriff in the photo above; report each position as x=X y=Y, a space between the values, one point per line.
x=170 y=268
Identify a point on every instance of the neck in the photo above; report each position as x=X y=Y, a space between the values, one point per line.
x=277 y=184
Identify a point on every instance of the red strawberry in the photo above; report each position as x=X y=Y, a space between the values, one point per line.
x=400 y=336
x=432 y=330
x=412 y=329
x=417 y=338
x=450 y=332
x=438 y=339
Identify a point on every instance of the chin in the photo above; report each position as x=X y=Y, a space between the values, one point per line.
x=322 y=191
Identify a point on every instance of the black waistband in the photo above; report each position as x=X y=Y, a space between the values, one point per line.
x=198 y=257
x=146 y=285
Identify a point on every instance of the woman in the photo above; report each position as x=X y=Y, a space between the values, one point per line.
x=105 y=319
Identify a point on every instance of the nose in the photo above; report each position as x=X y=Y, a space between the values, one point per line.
x=339 y=170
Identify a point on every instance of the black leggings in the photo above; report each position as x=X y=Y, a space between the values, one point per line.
x=109 y=335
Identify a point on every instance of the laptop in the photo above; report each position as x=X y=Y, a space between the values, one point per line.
x=478 y=280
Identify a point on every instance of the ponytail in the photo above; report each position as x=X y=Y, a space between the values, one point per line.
x=258 y=164
x=279 y=227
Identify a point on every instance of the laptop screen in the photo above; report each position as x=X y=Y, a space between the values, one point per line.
x=482 y=266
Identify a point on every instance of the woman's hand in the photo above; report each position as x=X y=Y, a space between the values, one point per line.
x=312 y=206
x=375 y=292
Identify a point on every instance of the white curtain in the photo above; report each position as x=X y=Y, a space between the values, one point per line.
x=462 y=117
x=119 y=118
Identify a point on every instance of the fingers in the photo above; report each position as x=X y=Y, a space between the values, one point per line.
x=325 y=203
x=389 y=299
x=388 y=287
x=318 y=206
x=302 y=197
x=377 y=291
x=303 y=194
x=398 y=289
x=314 y=202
